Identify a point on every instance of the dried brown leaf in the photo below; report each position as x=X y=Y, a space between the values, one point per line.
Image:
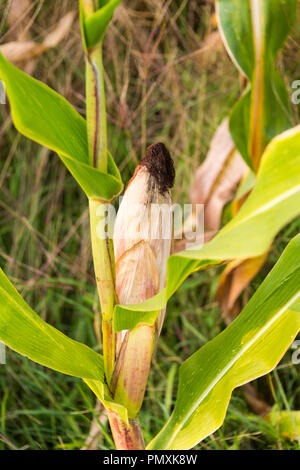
x=214 y=185
x=236 y=276
x=18 y=18
x=60 y=31
x=24 y=51
x=21 y=51
x=216 y=179
x=93 y=439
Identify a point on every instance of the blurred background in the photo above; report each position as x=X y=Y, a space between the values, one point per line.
x=169 y=79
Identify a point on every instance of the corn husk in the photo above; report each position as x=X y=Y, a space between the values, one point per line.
x=142 y=244
x=143 y=231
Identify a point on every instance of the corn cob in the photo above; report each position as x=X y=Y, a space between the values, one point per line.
x=142 y=244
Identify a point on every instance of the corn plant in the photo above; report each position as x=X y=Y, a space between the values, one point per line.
x=134 y=271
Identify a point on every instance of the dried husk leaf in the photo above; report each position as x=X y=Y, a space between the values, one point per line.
x=18 y=17
x=235 y=277
x=214 y=185
x=141 y=217
x=216 y=179
x=24 y=51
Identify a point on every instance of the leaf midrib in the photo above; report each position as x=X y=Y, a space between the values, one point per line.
x=231 y=363
x=37 y=322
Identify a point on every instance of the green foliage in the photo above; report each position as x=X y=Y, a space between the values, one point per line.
x=253 y=34
x=25 y=332
x=250 y=347
x=93 y=27
x=254 y=343
x=46 y=117
x=100 y=390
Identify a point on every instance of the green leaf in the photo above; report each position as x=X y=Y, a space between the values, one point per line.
x=47 y=118
x=93 y=27
x=287 y=422
x=250 y=347
x=253 y=32
x=25 y=332
x=100 y=390
x=245 y=186
x=95 y=183
x=273 y=202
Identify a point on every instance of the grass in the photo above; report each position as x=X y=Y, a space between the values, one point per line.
x=164 y=82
